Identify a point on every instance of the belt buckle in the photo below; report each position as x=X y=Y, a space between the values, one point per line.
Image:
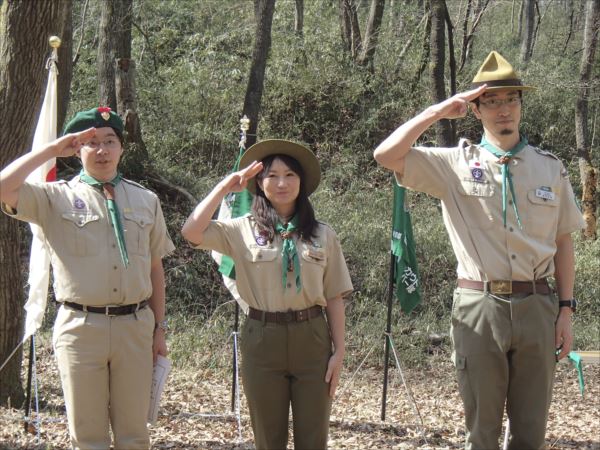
x=288 y=316
x=107 y=312
x=501 y=287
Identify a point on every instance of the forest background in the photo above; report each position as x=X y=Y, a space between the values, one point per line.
x=339 y=75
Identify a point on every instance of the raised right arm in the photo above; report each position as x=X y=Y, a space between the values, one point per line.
x=392 y=151
x=198 y=221
x=14 y=175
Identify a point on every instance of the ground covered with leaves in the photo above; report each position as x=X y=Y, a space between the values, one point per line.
x=196 y=411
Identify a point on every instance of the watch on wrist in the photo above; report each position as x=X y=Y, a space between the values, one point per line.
x=163 y=325
x=572 y=303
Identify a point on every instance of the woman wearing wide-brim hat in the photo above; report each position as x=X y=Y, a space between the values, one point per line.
x=289 y=268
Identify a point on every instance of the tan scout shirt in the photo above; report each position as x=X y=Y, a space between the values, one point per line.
x=468 y=181
x=258 y=267
x=83 y=249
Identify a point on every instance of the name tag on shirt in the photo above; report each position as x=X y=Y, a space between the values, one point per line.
x=545 y=193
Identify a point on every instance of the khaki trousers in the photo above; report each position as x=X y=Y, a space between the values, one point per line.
x=504 y=354
x=105 y=365
x=285 y=364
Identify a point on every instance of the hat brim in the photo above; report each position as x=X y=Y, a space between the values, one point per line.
x=512 y=88
x=305 y=157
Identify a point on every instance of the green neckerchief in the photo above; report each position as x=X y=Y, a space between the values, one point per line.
x=113 y=210
x=504 y=159
x=289 y=252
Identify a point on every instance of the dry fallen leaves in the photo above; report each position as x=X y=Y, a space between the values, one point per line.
x=196 y=411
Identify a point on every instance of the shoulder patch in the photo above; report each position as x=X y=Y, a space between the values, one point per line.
x=546 y=153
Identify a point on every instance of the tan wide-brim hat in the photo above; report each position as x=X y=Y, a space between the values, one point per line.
x=306 y=158
x=498 y=74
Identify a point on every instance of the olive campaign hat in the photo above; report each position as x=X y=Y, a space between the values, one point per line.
x=97 y=118
x=498 y=74
x=305 y=157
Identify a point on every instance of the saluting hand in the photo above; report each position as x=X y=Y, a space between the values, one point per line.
x=456 y=106
x=237 y=181
x=70 y=144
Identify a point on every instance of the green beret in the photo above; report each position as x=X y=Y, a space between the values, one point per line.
x=97 y=118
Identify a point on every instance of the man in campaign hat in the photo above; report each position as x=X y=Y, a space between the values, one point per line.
x=510 y=210
x=106 y=237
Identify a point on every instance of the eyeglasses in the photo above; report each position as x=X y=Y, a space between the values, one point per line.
x=496 y=103
x=107 y=144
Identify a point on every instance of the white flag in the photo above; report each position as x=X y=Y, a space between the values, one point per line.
x=39 y=259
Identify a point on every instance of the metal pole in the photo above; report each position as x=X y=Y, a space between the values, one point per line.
x=388 y=330
x=28 y=395
x=234 y=357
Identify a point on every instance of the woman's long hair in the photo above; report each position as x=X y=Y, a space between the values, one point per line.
x=265 y=215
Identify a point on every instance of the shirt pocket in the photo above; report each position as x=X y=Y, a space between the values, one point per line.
x=313 y=261
x=82 y=235
x=257 y=254
x=540 y=215
x=136 y=227
x=475 y=203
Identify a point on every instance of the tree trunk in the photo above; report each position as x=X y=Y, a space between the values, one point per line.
x=426 y=50
x=24 y=31
x=65 y=65
x=345 y=26
x=589 y=175
x=114 y=42
x=350 y=27
x=443 y=130
x=262 y=45
x=369 y=46
x=136 y=157
x=299 y=18
x=528 y=25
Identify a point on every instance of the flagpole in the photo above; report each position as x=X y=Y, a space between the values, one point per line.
x=234 y=368
x=244 y=127
x=28 y=396
x=388 y=331
x=39 y=285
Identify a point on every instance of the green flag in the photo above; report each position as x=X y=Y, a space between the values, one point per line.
x=234 y=205
x=408 y=284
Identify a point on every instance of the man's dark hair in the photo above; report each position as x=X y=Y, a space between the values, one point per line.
x=476 y=101
x=265 y=215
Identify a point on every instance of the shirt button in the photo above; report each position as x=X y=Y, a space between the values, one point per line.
x=289 y=285
x=511 y=229
x=513 y=256
x=259 y=256
x=510 y=202
x=114 y=289
x=114 y=267
x=114 y=246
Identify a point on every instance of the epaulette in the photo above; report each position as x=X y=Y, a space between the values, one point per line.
x=546 y=153
x=464 y=143
x=133 y=183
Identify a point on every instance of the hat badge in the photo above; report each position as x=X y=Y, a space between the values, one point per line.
x=104 y=112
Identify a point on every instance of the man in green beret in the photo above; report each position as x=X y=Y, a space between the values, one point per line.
x=509 y=210
x=106 y=237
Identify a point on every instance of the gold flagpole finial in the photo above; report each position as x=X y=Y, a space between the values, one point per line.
x=54 y=41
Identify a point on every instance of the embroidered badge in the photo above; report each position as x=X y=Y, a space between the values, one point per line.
x=104 y=112
x=477 y=173
x=78 y=203
x=262 y=238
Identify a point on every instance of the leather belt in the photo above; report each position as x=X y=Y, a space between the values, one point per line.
x=122 y=310
x=286 y=316
x=507 y=287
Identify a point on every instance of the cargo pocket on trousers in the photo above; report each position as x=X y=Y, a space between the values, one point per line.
x=462 y=376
